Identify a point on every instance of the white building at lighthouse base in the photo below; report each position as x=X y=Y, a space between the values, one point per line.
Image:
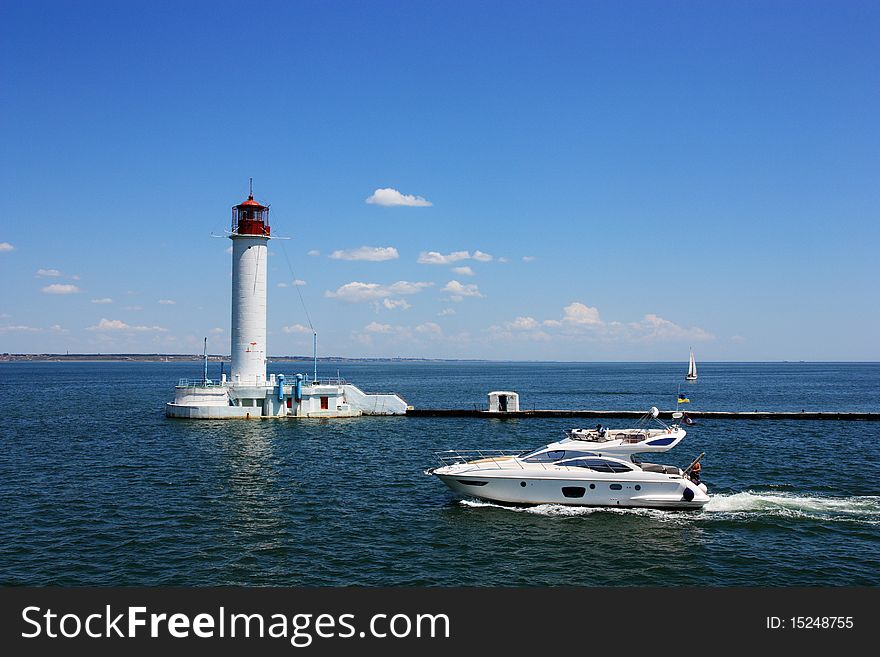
x=279 y=397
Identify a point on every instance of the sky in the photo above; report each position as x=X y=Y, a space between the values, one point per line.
x=581 y=181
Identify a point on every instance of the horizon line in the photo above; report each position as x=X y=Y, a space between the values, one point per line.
x=10 y=357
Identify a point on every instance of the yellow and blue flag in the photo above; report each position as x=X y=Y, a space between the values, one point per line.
x=682 y=399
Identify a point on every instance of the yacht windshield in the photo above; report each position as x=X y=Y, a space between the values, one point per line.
x=541 y=456
x=544 y=455
x=599 y=465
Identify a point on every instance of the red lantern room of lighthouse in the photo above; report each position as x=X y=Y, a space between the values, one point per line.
x=250 y=218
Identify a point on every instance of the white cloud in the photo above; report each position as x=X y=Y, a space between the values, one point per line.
x=502 y=259
x=579 y=314
x=463 y=271
x=110 y=325
x=523 y=324
x=5 y=247
x=429 y=328
x=406 y=287
x=103 y=300
x=75 y=277
x=167 y=302
x=60 y=288
x=296 y=329
x=313 y=253
x=217 y=330
x=391 y=304
x=119 y=325
x=391 y=197
x=48 y=273
x=654 y=328
x=529 y=258
x=437 y=258
x=738 y=339
x=580 y=321
x=296 y=283
x=446 y=312
x=368 y=253
x=55 y=328
x=134 y=308
x=357 y=291
x=376 y=327
x=457 y=291
x=521 y=329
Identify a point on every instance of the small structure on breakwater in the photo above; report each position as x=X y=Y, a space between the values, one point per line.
x=503 y=401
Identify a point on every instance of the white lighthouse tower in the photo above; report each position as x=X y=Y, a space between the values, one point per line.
x=248 y=392
x=250 y=239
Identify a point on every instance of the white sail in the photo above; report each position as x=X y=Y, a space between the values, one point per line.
x=692 y=367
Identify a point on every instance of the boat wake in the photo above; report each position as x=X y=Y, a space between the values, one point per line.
x=746 y=505
x=865 y=508
x=540 y=509
x=566 y=511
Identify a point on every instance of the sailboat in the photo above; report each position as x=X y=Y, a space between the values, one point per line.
x=692 y=368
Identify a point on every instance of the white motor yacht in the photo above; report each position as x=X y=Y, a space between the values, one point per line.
x=587 y=468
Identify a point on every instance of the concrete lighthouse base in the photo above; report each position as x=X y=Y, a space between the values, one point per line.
x=206 y=400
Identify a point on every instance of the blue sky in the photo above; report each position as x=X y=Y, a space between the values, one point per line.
x=645 y=176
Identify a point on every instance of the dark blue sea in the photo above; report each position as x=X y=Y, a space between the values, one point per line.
x=97 y=487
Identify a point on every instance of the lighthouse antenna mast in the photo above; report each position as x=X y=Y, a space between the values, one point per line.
x=296 y=284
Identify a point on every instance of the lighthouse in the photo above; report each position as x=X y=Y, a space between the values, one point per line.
x=250 y=238
x=248 y=392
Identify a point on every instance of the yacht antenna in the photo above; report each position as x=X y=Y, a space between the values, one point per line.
x=315 y=351
x=205 y=375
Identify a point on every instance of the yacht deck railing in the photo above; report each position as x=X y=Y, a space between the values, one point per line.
x=498 y=457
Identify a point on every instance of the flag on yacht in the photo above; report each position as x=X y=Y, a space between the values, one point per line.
x=682 y=399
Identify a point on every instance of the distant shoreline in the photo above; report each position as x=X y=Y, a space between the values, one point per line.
x=189 y=358
x=217 y=358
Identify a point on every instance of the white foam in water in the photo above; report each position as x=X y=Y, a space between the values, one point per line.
x=738 y=505
x=564 y=510
x=865 y=507
x=540 y=509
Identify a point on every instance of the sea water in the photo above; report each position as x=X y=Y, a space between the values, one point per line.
x=97 y=487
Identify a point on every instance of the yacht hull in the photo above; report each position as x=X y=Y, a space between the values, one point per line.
x=597 y=491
